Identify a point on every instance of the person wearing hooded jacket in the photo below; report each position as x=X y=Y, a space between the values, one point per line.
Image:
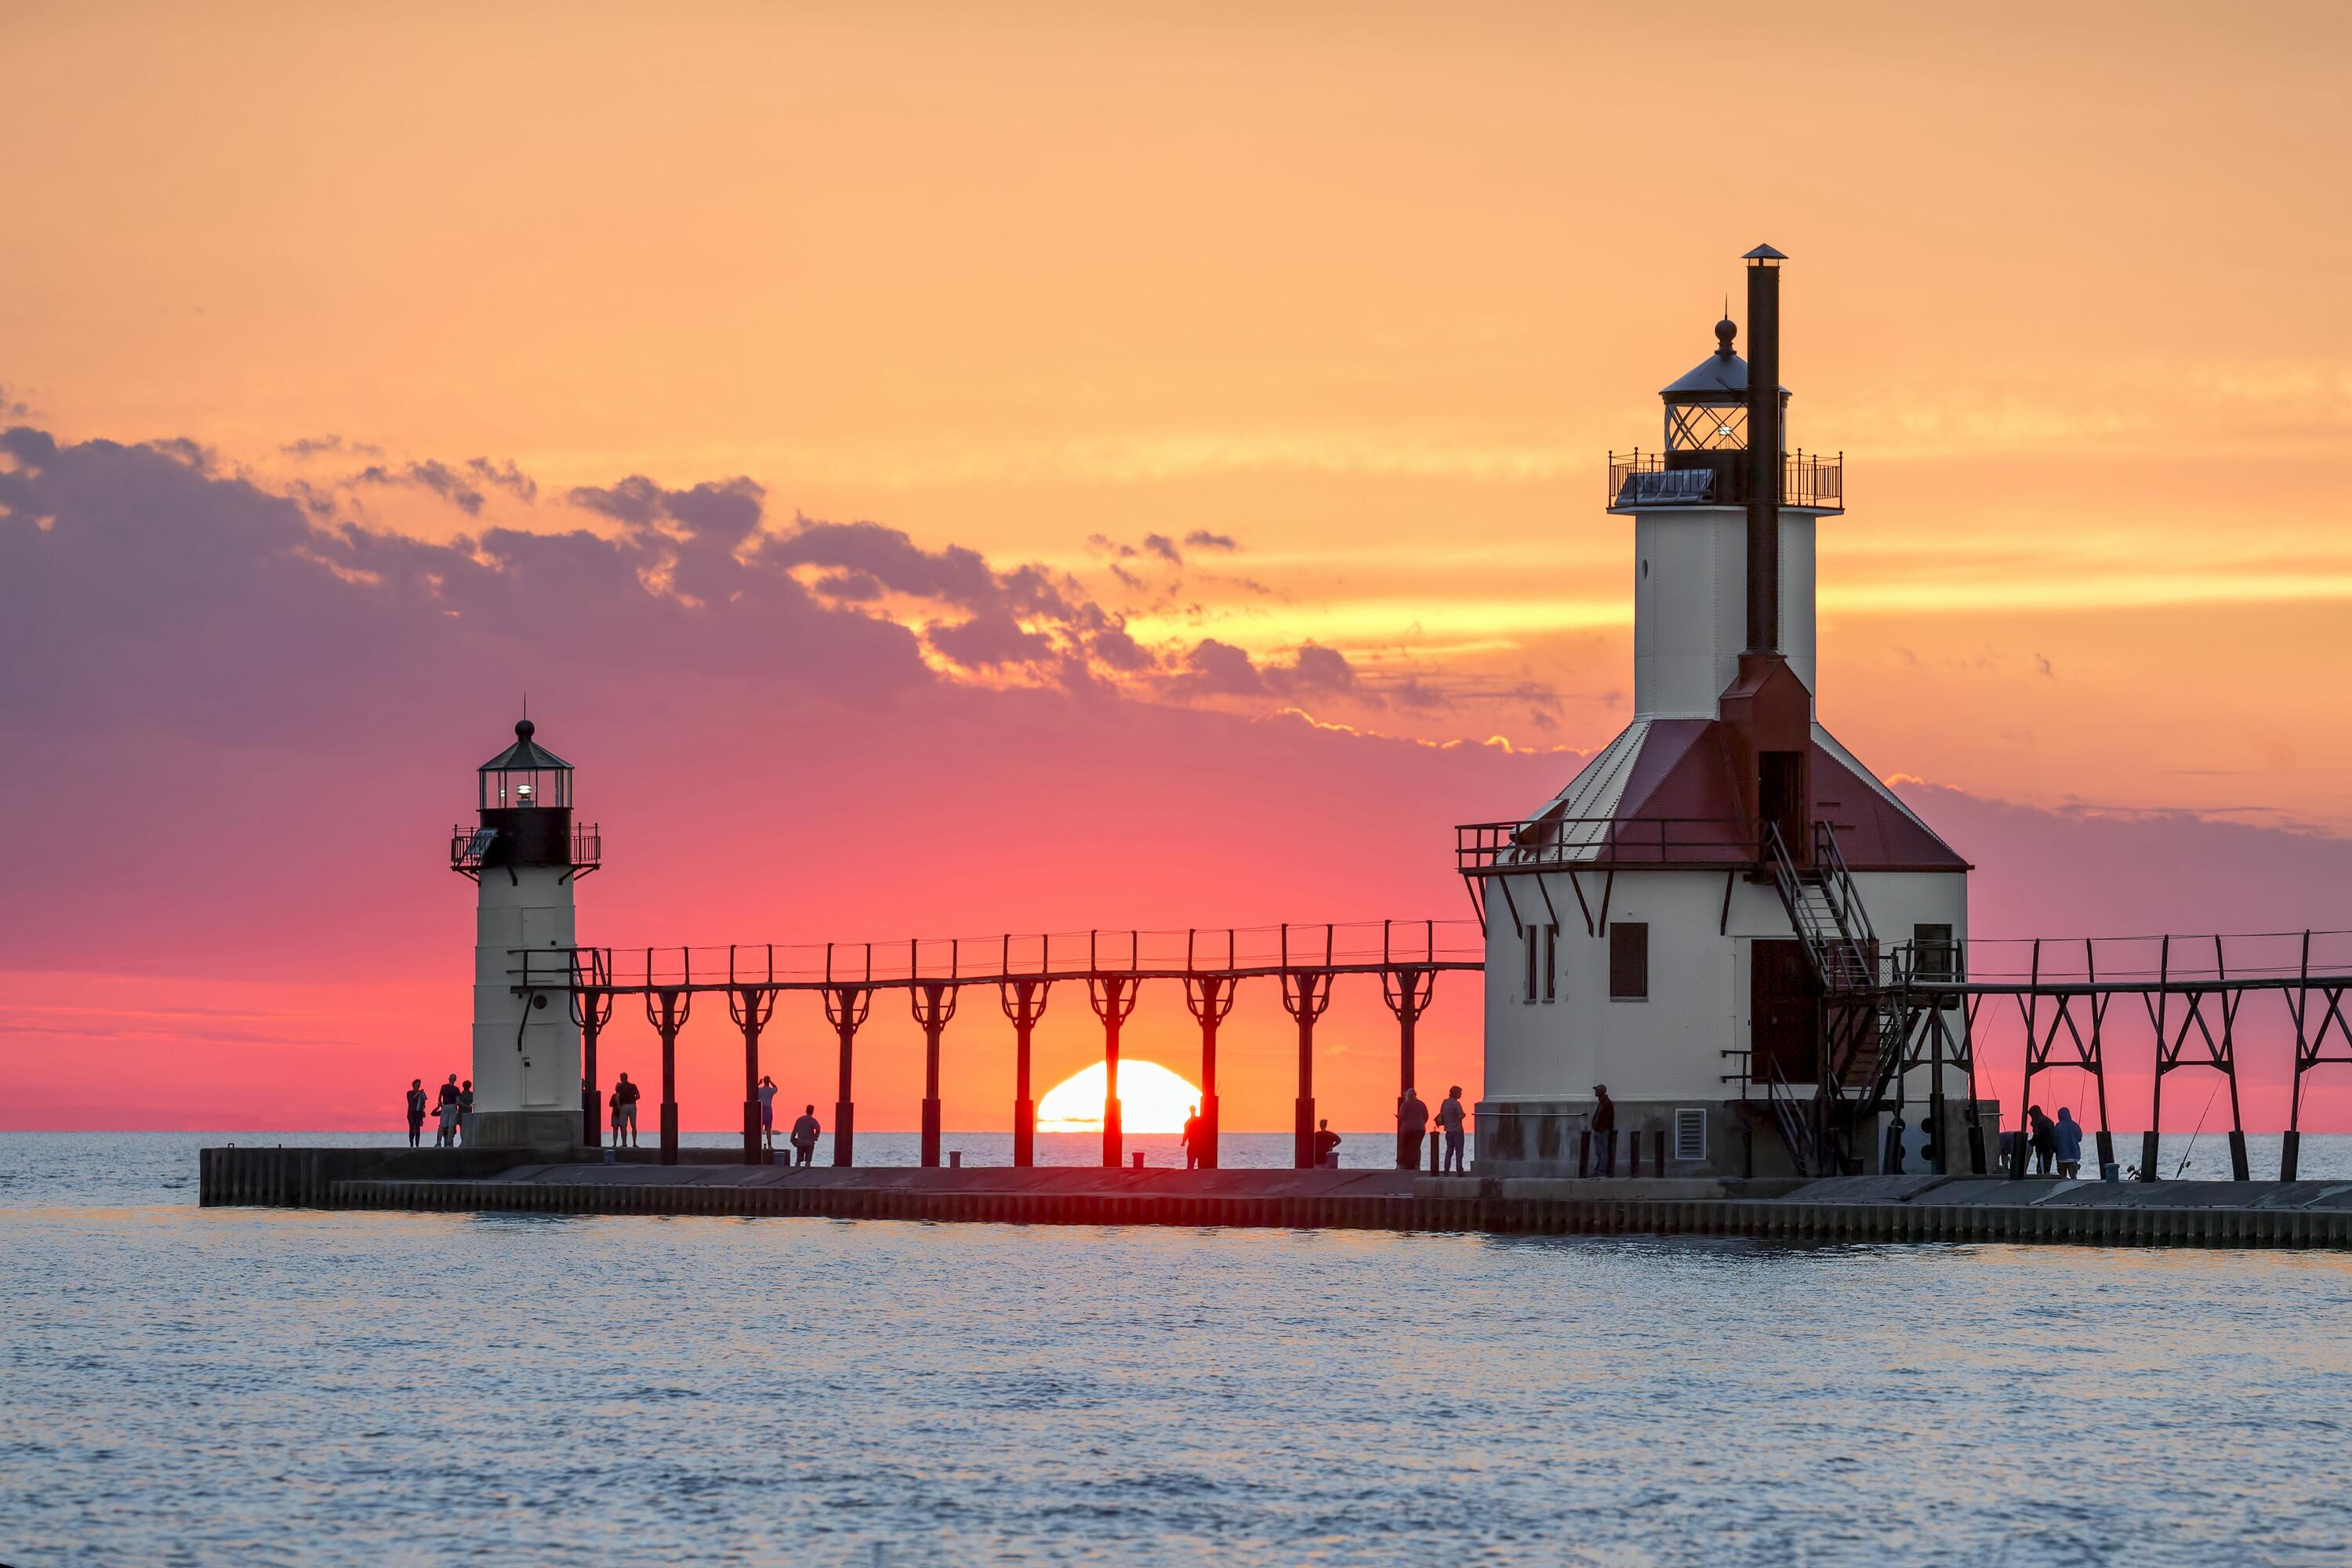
x=2069 y=1135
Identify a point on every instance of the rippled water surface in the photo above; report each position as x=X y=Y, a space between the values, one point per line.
x=238 y=1386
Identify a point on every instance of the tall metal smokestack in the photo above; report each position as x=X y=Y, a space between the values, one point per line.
x=1764 y=449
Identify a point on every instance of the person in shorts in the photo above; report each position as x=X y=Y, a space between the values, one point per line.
x=804 y=1132
x=625 y=1096
x=767 y=1112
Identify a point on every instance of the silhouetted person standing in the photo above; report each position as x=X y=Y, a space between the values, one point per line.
x=445 y=1110
x=804 y=1132
x=415 y=1111
x=2045 y=1141
x=767 y=1111
x=465 y=1113
x=1450 y=1117
x=1413 y=1127
x=1193 y=1138
x=1604 y=1132
x=624 y=1110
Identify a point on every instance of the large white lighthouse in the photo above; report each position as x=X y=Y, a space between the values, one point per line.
x=1704 y=920
x=524 y=855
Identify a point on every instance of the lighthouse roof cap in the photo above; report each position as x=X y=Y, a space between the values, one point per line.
x=1720 y=376
x=526 y=755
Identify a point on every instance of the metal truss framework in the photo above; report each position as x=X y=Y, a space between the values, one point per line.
x=1208 y=965
x=2191 y=992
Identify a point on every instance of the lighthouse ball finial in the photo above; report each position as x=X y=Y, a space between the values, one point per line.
x=524 y=728
x=1725 y=331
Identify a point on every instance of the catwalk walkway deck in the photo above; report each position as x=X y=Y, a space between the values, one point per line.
x=1856 y=1208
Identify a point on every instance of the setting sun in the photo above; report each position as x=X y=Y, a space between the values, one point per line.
x=1151 y=1099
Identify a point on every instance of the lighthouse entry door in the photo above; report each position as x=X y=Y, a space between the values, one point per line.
x=1780 y=798
x=1784 y=1011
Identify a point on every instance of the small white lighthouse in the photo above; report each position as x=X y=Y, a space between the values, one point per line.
x=1703 y=920
x=523 y=855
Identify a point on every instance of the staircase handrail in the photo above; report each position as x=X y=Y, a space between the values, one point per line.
x=1837 y=879
x=1787 y=1117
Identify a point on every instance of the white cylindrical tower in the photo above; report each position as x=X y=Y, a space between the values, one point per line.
x=524 y=856
x=1690 y=542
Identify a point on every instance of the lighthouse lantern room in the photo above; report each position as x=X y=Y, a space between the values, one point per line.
x=524 y=854
x=1704 y=920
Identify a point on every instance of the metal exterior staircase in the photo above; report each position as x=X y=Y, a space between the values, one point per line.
x=1863 y=1025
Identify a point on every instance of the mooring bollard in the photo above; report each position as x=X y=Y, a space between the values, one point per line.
x=1584 y=1153
x=1139 y=1160
x=955 y=1158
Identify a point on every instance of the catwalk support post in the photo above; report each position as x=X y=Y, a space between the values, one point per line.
x=1113 y=996
x=934 y=1003
x=1208 y=998
x=845 y=1007
x=592 y=1010
x=1306 y=992
x=1024 y=1003
x=1408 y=990
x=752 y=1007
x=2320 y=1016
x=667 y=1011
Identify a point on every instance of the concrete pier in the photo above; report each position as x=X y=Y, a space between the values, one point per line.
x=1855 y=1208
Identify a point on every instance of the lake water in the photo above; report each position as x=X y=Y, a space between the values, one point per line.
x=259 y=1386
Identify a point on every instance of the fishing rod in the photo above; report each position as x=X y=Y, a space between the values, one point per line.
x=2200 y=1127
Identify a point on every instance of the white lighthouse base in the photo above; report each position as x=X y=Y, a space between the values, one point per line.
x=546 y=1132
x=1710 y=1138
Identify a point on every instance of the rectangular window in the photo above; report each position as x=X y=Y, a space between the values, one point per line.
x=1543 y=963
x=1690 y=1134
x=1932 y=953
x=1629 y=960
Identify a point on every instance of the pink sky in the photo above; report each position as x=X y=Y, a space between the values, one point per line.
x=243 y=738
x=937 y=469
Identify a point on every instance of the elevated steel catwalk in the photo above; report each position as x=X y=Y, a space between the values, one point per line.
x=1406 y=956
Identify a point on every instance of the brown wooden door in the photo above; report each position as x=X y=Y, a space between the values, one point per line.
x=1784 y=1010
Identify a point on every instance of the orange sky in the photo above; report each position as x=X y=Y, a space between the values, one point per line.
x=1368 y=291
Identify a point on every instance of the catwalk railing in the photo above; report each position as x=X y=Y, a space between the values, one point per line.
x=1207 y=966
x=2186 y=1006
x=1808 y=480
